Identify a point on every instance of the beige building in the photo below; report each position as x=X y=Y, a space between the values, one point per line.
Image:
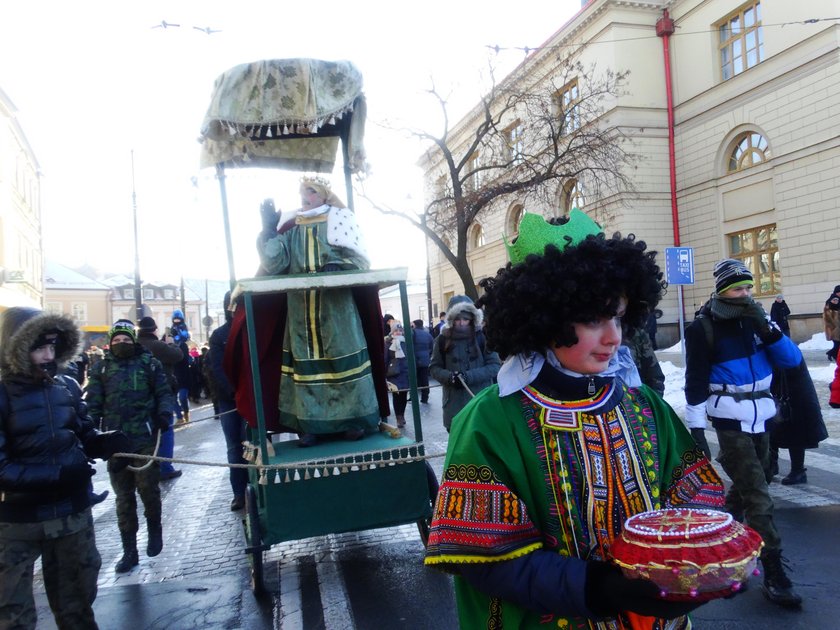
x=755 y=92
x=85 y=300
x=21 y=259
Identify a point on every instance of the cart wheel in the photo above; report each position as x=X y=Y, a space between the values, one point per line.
x=253 y=537
x=424 y=524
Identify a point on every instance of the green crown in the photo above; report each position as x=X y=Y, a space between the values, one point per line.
x=535 y=233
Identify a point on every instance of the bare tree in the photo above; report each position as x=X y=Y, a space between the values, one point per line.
x=524 y=140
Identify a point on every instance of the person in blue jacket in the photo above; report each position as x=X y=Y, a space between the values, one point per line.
x=731 y=350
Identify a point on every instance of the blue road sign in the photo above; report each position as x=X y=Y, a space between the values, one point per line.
x=679 y=265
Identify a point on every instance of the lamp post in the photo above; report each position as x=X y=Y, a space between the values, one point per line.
x=138 y=297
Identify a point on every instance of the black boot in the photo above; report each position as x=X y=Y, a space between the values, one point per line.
x=129 y=559
x=155 y=543
x=777 y=587
x=795 y=477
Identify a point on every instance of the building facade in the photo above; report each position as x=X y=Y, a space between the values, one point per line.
x=21 y=257
x=754 y=96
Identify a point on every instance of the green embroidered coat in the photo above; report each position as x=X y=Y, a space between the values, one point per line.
x=526 y=472
x=326 y=384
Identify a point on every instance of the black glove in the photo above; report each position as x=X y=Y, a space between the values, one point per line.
x=103 y=445
x=161 y=423
x=754 y=312
x=75 y=475
x=455 y=379
x=608 y=593
x=330 y=267
x=699 y=436
x=269 y=217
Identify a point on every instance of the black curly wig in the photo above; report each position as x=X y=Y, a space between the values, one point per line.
x=534 y=304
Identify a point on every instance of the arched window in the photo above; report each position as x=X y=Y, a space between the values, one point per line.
x=514 y=218
x=476 y=236
x=573 y=196
x=750 y=148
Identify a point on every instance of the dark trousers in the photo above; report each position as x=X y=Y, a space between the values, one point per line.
x=70 y=563
x=400 y=400
x=146 y=483
x=423 y=383
x=233 y=426
x=745 y=457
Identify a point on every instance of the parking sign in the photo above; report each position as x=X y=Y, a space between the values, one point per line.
x=679 y=265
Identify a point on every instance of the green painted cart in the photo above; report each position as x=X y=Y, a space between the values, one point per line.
x=294 y=114
x=332 y=487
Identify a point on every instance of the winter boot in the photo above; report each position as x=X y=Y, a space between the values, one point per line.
x=186 y=416
x=795 y=477
x=777 y=587
x=129 y=559
x=155 y=543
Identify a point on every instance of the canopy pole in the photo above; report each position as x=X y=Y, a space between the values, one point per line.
x=344 y=136
x=220 y=175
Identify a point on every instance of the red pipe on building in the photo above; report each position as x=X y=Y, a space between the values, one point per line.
x=664 y=29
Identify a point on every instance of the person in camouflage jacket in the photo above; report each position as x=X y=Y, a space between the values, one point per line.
x=128 y=390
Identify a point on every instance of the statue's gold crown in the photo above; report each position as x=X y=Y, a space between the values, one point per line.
x=535 y=233
x=317 y=179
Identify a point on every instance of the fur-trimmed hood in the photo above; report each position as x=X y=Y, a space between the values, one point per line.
x=461 y=304
x=21 y=326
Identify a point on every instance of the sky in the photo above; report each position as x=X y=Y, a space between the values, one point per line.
x=112 y=108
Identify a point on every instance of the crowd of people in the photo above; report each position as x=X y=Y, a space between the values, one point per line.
x=550 y=391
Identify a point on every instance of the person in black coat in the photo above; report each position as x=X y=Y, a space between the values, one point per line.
x=423 y=345
x=46 y=440
x=799 y=424
x=779 y=313
x=233 y=426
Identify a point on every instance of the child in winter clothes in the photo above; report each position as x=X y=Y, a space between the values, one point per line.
x=544 y=467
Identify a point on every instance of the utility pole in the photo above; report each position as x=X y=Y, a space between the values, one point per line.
x=138 y=296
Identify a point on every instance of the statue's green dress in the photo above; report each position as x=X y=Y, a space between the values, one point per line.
x=326 y=384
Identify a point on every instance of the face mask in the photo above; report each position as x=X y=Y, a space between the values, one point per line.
x=123 y=350
x=50 y=367
x=736 y=301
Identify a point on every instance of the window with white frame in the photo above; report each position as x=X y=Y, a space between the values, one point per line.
x=169 y=294
x=514 y=141
x=741 y=40
x=568 y=99
x=476 y=175
x=758 y=249
x=54 y=307
x=78 y=310
x=573 y=196
x=148 y=294
x=128 y=294
x=476 y=236
x=514 y=219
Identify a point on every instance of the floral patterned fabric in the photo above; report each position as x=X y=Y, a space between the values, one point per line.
x=256 y=104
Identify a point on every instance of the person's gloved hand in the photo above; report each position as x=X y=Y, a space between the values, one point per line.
x=608 y=592
x=161 y=422
x=699 y=436
x=455 y=379
x=269 y=217
x=75 y=475
x=754 y=312
x=330 y=267
x=115 y=442
x=103 y=445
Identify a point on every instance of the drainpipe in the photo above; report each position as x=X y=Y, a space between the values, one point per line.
x=664 y=29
